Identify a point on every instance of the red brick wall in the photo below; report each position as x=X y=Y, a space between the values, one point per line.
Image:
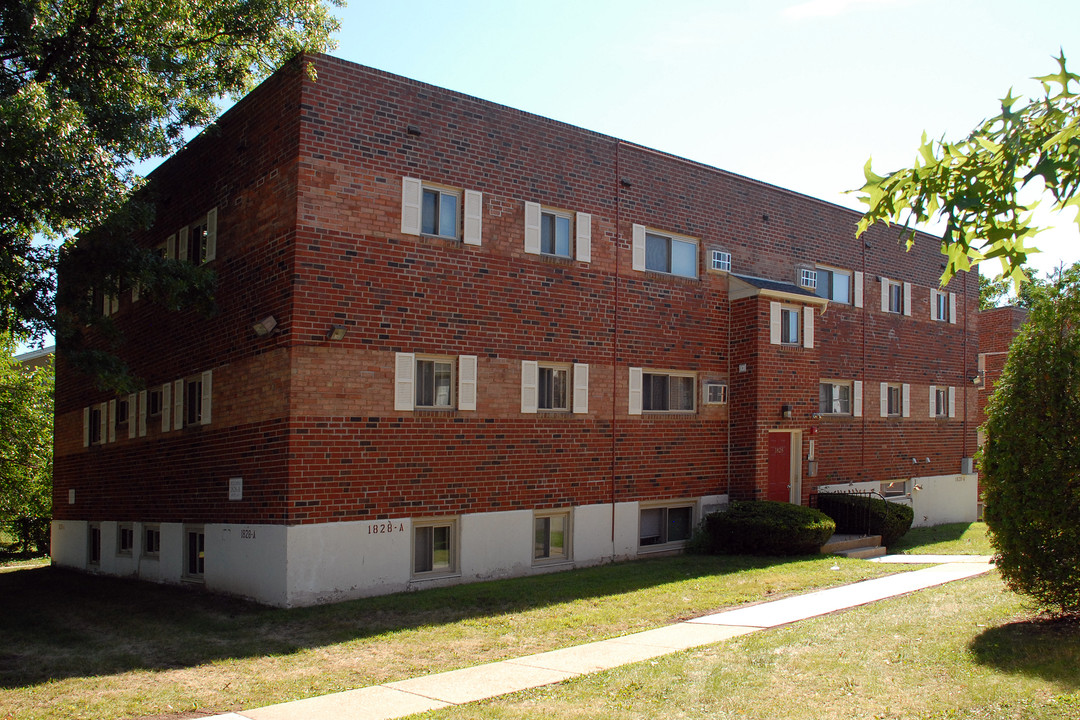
x=307 y=179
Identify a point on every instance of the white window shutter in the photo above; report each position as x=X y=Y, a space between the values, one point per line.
x=856 y=390
x=952 y=401
x=466 y=382
x=635 y=391
x=905 y=400
x=207 y=396
x=884 y=399
x=166 y=406
x=907 y=299
x=170 y=247
x=412 y=197
x=808 y=327
x=181 y=248
x=114 y=301
x=530 y=380
x=774 y=323
x=178 y=405
x=474 y=208
x=211 y=235
x=86 y=427
x=858 y=289
x=135 y=291
x=581 y=387
x=952 y=308
x=583 y=239
x=131 y=400
x=638 y=254
x=532 y=228
x=933 y=400
x=143 y=410
x=404 y=381
x=103 y=429
x=112 y=421
x=884 y=295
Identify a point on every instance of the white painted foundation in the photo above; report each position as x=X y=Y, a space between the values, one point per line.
x=329 y=562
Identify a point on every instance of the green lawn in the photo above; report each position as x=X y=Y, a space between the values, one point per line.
x=951 y=539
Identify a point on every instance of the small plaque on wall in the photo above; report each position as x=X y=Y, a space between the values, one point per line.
x=236 y=488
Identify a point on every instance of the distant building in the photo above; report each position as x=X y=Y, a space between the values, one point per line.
x=457 y=341
x=36 y=358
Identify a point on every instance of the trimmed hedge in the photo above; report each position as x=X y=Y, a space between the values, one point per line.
x=766 y=527
x=889 y=520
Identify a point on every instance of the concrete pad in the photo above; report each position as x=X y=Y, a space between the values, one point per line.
x=686 y=635
x=801 y=607
x=932 y=559
x=593 y=657
x=371 y=703
x=480 y=682
x=226 y=716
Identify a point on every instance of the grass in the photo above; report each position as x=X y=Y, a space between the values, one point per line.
x=81 y=646
x=951 y=539
x=965 y=651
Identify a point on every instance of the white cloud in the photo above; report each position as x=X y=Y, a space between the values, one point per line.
x=829 y=8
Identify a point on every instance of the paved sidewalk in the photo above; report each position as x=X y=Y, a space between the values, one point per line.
x=431 y=692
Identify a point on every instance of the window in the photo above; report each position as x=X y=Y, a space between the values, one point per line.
x=125 y=540
x=426 y=382
x=434 y=383
x=194 y=553
x=431 y=210
x=151 y=540
x=942 y=402
x=435 y=547
x=551 y=537
x=833 y=284
x=193 y=410
x=721 y=260
x=834 y=398
x=716 y=393
x=667 y=392
x=942 y=306
x=892 y=297
x=789 y=326
x=97 y=419
x=439 y=215
x=553 y=387
x=123 y=410
x=197 y=243
x=93 y=549
x=192 y=399
x=154 y=400
x=664 y=253
x=808 y=278
x=664 y=525
x=895 y=399
x=555 y=234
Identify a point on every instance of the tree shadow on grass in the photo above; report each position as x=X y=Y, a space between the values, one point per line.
x=1048 y=648
x=58 y=623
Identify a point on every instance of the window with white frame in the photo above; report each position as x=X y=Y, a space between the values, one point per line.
x=93 y=548
x=192 y=401
x=942 y=401
x=428 y=209
x=667 y=391
x=125 y=539
x=790 y=325
x=551 y=537
x=716 y=393
x=892 y=399
x=665 y=525
x=557 y=233
x=834 y=284
x=834 y=397
x=435 y=547
x=554 y=387
x=664 y=253
x=892 y=296
x=721 y=260
x=95 y=419
x=434 y=382
x=943 y=306
x=790 y=319
x=197 y=243
x=151 y=540
x=808 y=278
x=194 y=553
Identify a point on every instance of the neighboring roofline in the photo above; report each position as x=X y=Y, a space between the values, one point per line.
x=35 y=354
x=745 y=286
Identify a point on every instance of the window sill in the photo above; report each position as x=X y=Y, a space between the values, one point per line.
x=661 y=275
x=550 y=562
x=433 y=575
x=668 y=547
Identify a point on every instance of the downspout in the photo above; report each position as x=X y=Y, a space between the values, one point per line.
x=615 y=341
x=967 y=371
x=862 y=434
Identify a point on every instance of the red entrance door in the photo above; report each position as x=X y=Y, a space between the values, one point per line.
x=779 y=466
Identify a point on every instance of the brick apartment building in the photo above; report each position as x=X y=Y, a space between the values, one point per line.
x=458 y=341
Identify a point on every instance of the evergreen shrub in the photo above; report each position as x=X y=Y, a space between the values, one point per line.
x=766 y=527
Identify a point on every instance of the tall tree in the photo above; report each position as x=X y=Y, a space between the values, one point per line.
x=26 y=447
x=90 y=87
x=986 y=186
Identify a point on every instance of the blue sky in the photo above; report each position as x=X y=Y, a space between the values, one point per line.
x=798 y=93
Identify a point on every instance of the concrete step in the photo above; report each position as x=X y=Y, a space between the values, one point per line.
x=862 y=553
x=839 y=543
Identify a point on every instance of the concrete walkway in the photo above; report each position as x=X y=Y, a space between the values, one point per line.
x=431 y=692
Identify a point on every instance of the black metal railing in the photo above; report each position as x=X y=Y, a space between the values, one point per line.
x=852 y=518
